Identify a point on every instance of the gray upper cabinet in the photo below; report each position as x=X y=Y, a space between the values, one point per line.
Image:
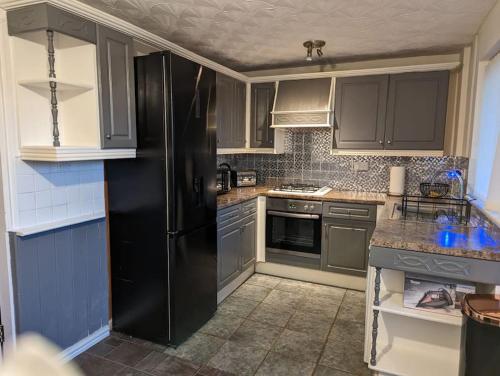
x=47 y=17
x=262 y=135
x=416 y=111
x=360 y=105
x=230 y=109
x=402 y=111
x=115 y=61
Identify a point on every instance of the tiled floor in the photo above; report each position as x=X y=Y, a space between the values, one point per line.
x=269 y=326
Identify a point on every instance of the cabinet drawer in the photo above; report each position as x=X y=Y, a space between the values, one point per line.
x=249 y=207
x=228 y=215
x=350 y=211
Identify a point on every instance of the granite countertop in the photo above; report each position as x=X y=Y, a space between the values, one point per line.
x=451 y=240
x=238 y=195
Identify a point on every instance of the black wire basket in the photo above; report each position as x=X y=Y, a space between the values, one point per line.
x=434 y=189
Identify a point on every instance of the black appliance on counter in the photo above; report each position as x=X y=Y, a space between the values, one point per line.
x=162 y=205
x=293 y=232
x=223 y=178
x=243 y=178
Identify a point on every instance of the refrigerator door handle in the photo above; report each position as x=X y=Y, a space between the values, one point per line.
x=198 y=190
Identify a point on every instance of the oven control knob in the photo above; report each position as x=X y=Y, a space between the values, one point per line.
x=306 y=207
x=311 y=207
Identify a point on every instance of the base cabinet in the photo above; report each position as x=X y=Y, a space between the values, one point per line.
x=236 y=241
x=347 y=230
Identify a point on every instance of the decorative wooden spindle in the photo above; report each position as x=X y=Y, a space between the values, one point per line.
x=53 y=89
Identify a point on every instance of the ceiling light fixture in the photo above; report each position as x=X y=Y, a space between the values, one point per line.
x=314 y=44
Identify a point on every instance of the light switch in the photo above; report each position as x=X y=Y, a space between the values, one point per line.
x=360 y=166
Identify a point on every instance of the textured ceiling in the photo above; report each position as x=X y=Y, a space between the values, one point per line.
x=253 y=34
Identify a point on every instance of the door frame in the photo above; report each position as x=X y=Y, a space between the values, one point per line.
x=8 y=151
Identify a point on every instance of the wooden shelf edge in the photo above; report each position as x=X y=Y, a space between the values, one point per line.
x=67 y=154
x=35 y=229
x=392 y=303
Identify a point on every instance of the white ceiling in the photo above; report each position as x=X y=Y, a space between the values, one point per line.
x=253 y=34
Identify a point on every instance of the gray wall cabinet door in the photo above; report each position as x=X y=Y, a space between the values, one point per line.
x=230 y=108
x=262 y=135
x=248 y=241
x=228 y=253
x=416 y=111
x=47 y=17
x=115 y=58
x=345 y=246
x=360 y=108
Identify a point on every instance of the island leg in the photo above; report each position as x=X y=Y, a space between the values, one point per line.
x=376 y=302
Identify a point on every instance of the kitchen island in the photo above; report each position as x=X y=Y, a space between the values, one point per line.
x=408 y=341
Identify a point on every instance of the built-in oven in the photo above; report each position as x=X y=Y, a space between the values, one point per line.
x=293 y=232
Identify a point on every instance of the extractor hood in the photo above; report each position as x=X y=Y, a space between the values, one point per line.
x=303 y=103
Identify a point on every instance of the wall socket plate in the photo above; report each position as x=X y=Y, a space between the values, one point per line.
x=360 y=166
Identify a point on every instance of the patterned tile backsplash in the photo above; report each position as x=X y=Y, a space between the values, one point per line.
x=307 y=158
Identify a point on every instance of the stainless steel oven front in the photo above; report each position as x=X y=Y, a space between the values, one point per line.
x=293 y=231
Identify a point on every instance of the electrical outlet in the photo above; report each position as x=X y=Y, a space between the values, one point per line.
x=360 y=166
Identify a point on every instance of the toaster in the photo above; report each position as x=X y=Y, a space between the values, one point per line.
x=246 y=178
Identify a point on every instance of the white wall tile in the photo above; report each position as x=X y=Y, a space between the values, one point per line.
x=57 y=191
x=25 y=183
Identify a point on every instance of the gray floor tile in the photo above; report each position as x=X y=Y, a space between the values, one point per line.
x=327 y=371
x=345 y=355
x=160 y=364
x=210 y=371
x=299 y=346
x=315 y=324
x=240 y=360
x=199 y=348
x=128 y=353
x=237 y=306
x=256 y=334
x=127 y=371
x=101 y=349
x=264 y=280
x=279 y=298
x=291 y=285
x=222 y=325
x=280 y=365
x=252 y=292
x=96 y=366
x=348 y=330
x=323 y=305
x=335 y=293
x=272 y=314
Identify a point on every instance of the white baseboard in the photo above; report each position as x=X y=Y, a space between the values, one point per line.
x=312 y=275
x=84 y=344
x=227 y=290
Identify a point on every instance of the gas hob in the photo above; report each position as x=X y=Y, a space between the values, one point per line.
x=301 y=189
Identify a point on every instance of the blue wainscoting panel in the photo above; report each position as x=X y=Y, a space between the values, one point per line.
x=61 y=282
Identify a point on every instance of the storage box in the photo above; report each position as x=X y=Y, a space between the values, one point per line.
x=435 y=294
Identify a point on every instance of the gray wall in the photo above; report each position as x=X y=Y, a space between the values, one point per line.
x=61 y=282
x=307 y=159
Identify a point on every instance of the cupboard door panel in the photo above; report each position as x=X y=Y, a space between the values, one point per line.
x=248 y=242
x=116 y=89
x=262 y=135
x=416 y=111
x=360 y=107
x=228 y=254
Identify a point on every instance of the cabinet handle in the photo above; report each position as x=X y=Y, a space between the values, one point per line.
x=380 y=142
x=108 y=136
x=388 y=141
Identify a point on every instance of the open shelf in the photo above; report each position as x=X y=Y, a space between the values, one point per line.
x=72 y=153
x=414 y=362
x=392 y=302
x=44 y=84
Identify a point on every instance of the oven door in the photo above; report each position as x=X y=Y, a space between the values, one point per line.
x=293 y=233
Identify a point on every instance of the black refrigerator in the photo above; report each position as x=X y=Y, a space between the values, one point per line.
x=162 y=205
